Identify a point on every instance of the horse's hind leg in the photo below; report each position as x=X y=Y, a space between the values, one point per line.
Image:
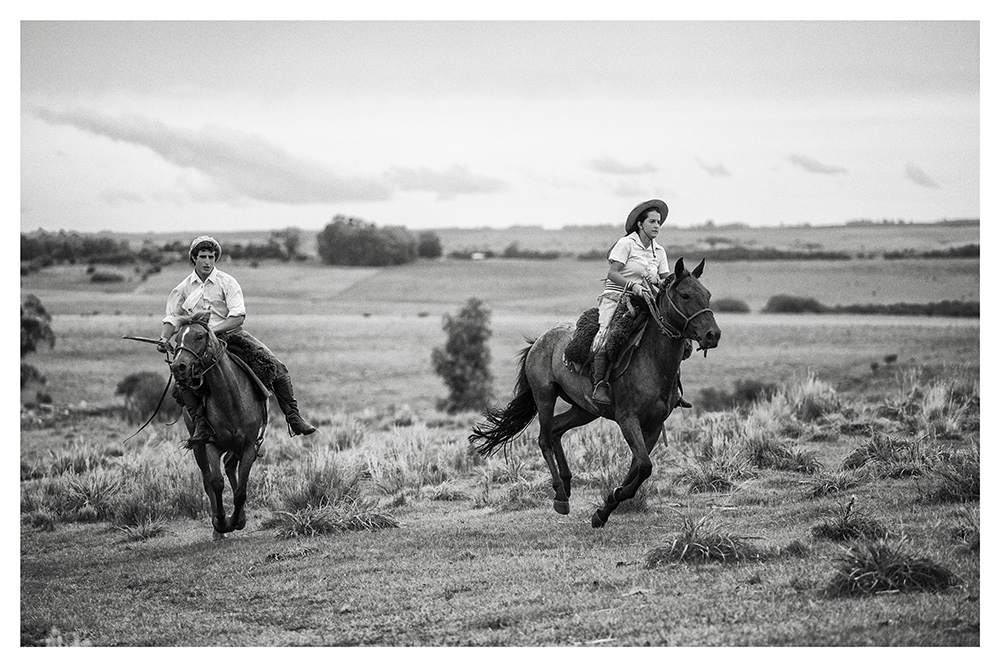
x=211 y=476
x=561 y=423
x=545 y=399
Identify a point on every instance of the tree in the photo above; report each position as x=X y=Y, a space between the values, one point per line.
x=429 y=245
x=354 y=242
x=36 y=329
x=464 y=362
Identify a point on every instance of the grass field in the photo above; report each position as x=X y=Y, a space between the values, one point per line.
x=477 y=556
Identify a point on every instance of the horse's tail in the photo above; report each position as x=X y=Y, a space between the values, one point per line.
x=502 y=426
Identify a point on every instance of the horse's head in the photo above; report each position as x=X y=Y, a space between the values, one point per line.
x=195 y=349
x=685 y=304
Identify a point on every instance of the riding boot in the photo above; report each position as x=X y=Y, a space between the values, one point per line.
x=601 y=386
x=282 y=387
x=681 y=403
x=192 y=402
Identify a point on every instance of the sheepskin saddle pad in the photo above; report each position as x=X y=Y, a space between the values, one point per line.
x=630 y=315
x=253 y=353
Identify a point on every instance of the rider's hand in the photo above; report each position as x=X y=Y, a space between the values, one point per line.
x=161 y=345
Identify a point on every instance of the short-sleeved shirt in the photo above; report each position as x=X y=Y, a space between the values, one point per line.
x=639 y=261
x=219 y=294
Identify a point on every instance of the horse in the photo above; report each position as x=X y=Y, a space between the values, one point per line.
x=643 y=396
x=235 y=407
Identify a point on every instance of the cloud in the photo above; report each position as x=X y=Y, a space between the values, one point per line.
x=610 y=165
x=115 y=197
x=918 y=176
x=448 y=184
x=628 y=190
x=716 y=170
x=814 y=166
x=240 y=165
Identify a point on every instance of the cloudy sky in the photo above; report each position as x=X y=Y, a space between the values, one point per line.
x=133 y=126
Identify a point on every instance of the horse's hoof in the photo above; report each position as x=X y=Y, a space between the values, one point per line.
x=216 y=536
x=561 y=506
x=596 y=521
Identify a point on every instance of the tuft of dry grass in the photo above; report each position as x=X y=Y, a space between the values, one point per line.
x=701 y=541
x=956 y=478
x=333 y=517
x=966 y=533
x=825 y=484
x=850 y=524
x=878 y=567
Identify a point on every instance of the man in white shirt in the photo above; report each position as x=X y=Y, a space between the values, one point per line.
x=208 y=288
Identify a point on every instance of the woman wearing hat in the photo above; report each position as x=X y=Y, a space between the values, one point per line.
x=636 y=261
x=208 y=288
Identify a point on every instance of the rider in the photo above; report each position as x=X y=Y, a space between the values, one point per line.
x=636 y=261
x=208 y=288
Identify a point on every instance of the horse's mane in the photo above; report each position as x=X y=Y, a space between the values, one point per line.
x=201 y=317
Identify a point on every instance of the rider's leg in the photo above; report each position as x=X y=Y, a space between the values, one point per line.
x=192 y=402
x=606 y=306
x=282 y=387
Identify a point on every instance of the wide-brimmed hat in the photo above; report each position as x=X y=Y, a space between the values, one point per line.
x=205 y=239
x=633 y=217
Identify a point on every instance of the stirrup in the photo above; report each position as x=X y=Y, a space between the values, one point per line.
x=299 y=426
x=601 y=394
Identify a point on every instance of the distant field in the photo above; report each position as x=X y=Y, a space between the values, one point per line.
x=574 y=240
x=359 y=339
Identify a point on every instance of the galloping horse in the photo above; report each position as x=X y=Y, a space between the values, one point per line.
x=235 y=407
x=643 y=396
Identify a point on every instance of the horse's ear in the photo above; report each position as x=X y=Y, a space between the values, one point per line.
x=679 y=269
x=698 y=269
x=201 y=316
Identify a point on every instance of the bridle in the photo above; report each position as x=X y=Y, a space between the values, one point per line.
x=666 y=328
x=204 y=361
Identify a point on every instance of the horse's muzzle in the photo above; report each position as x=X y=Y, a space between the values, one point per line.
x=709 y=339
x=181 y=370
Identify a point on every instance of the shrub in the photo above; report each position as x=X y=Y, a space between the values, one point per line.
x=730 y=306
x=106 y=277
x=785 y=303
x=36 y=330
x=143 y=392
x=464 y=361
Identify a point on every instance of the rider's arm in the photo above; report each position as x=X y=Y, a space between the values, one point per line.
x=230 y=323
x=615 y=276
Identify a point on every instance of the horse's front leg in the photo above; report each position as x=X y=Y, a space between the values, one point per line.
x=208 y=460
x=239 y=477
x=639 y=470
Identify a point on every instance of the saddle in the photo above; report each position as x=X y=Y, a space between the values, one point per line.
x=624 y=333
x=252 y=354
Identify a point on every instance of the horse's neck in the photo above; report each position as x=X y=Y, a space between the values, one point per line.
x=224 y=379
x=663 y=352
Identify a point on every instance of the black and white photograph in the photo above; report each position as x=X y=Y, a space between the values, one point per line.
x=443 y=327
